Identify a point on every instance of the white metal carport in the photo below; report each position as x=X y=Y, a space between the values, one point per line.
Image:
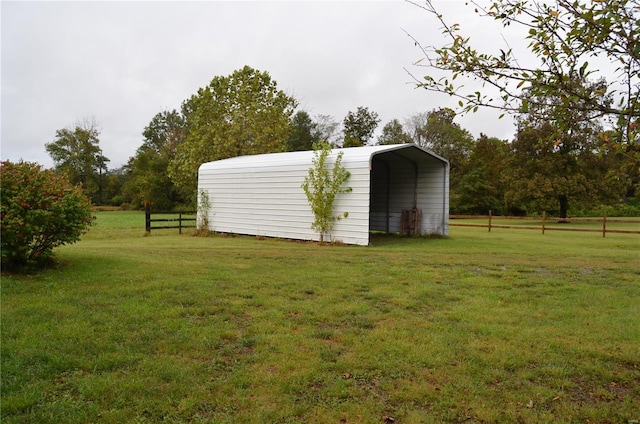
x=262 y=194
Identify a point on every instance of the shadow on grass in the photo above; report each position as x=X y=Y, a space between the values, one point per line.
x=383 y=239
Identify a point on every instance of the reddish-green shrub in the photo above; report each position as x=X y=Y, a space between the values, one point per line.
x=40 y=210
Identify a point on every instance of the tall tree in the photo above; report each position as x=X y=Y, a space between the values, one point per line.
x=113 y=185
x=304 y=132
x=481 y=188
x=415 y=125
x=76 y=153
x=446 y=138
x=240 y=114
x=359 y=127
x=147 y=172
x=393 y=133
x=621 y=167
x=550 y=154
x=165 y=132
x=540 y=176
x=566 y=38
x=147 y=180
x=327 y=129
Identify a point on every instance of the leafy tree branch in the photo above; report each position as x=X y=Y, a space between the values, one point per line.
x=568 y=40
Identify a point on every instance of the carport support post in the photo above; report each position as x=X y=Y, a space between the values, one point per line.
x=388 y=200
x=415 y=185
x=444 y=198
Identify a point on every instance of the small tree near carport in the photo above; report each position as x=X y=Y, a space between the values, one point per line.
x=322 y=187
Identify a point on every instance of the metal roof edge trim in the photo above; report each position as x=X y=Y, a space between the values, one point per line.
x=350 y=153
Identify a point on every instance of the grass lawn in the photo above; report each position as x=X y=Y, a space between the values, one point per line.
x=507 y=326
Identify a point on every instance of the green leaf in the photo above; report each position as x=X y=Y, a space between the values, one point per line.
x=583 y=68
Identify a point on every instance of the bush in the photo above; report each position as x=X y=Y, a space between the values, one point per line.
x=40 y=210
x=117 y=200
x=630 y=209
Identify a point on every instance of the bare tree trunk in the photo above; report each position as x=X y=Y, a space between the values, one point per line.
x=564 y=206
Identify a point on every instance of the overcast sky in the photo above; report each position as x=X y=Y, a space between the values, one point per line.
x=121 y=63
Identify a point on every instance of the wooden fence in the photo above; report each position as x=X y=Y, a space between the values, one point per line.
x=546 y=223
x=177 y=220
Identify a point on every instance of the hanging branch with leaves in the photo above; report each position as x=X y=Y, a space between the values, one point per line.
x=568 y=40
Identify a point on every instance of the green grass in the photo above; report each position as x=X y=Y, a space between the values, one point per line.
x=507 y=326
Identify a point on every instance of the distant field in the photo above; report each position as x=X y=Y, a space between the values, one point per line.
x=507 y=326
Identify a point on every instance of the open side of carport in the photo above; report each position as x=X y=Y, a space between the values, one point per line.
x=413 y=180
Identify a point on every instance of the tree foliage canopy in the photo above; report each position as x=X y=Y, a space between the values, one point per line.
x=76 y=153
x=304 y=132
x=481 y=187
x=393 y=133
x=446 y=138
x=359 y=127
x=567 y=40
x=166 y=131
x=147 y=171
x=240 y=114
x=327 y=129
x=554 y=155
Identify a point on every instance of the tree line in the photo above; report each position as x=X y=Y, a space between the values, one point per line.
x=575 y=149
x=560 y=164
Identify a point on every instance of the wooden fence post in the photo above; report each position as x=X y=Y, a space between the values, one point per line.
x=180 y=223
x=604 y=225
x=489 y=221
x=544 y=218
x=147 y=216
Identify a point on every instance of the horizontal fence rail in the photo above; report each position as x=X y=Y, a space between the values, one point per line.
x=546 y=223
x=169 y=220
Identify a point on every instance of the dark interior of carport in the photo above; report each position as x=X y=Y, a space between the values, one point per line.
x=395 y=179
